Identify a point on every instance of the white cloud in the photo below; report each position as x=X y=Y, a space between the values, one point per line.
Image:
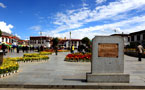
x=118 y=10
x=36 y=28
x=114 y=9
x=2 y=5
x=17 y=35
x=82 y=16
x=105 y=29
x=117 y=25
x=100 y=1
x=6 y=28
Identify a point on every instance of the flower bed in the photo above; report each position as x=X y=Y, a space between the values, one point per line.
x=63 y=50
x=8 y=66
x=42 y=57
x=31 y=54
x=45 y=53
x=30 y=57
x=59 y=50
x=78 y=57
x=49 y=50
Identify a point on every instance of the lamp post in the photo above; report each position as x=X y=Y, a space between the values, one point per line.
x=70 y=40
x=41 y=37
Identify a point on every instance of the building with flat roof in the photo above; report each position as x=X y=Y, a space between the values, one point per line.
x=40 y=41
x=9 y=38
x=66 y=43
x=137 y=36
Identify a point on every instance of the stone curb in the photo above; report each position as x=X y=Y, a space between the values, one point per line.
x=71 y=86
x=33 y=61
x=77 y=61
x=8 y=74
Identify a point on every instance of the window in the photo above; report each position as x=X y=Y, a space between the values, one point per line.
x=2 y=39
x=6 y=40
x=132 y=38
x=138 y=37
x=143 y=36
x=42 y=41
x=34 y=41
x=128 y=39
x=39 y=41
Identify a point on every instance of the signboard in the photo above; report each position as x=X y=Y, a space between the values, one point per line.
x=108 y=50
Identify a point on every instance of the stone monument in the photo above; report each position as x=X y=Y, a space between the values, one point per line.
x=107 y=64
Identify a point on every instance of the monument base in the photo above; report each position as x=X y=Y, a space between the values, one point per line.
x=108 y=78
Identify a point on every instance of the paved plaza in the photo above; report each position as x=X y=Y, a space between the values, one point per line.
x=58 y=72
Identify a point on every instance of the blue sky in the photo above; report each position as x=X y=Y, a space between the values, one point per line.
x=56 y=18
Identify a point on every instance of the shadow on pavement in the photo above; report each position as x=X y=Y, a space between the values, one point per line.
x=82 y=80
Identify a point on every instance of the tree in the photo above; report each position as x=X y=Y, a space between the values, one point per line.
x=86 y=41
x=55 y=42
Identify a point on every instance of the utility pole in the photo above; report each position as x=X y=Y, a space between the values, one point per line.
x=70 y=40
x=115 y=31
x=41 y=37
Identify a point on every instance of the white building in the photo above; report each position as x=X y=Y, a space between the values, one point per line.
x=40 y=41
x=67 y=43
x=8 y=38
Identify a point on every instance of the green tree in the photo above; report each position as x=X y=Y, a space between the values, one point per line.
x=86 y=41
x=55 y=42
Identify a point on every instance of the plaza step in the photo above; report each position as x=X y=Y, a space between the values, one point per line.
x=107 y=86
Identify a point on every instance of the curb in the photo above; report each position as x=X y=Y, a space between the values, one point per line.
x=8 y=74
x=71 y=86
x=33 y=61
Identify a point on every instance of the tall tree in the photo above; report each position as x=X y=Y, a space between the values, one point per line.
x=86 y=41
x=55 y=42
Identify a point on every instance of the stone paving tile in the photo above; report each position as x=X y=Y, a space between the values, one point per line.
x=58 y=72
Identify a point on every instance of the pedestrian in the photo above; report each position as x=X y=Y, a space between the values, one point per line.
x=56 y=50
x=41 y=48
x=38 y=49
x=140 y=51
x=73 y=48
x=17 y=49
x=4 y=48
x=27 y=48
x=23 y=49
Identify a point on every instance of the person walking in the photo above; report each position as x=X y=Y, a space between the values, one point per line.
x=140 y=51
x=4 y=48
x=73 y=48
x=56 y=50
x=17 y=48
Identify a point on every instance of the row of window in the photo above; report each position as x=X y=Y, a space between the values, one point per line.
x=7 y=40
x=39 y=42
x=138 y=38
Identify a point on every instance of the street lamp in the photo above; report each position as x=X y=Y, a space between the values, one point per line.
x=70 y=39
x=41 y=37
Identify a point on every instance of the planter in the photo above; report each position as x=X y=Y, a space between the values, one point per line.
x=78 y=57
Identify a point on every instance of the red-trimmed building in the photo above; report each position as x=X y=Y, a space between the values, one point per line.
x=40 y=40
x=23 y=42
x=9 y=38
